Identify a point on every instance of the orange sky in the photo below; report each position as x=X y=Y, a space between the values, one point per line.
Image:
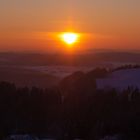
x=33 y=25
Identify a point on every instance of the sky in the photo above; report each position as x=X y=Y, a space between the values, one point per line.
x=33 y=25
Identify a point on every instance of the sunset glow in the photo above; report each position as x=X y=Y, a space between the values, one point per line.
x=69 y=38
x=51 y=26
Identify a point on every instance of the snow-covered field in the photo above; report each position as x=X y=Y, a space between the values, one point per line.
x=121 y=79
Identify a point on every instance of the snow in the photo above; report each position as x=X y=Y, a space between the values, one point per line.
x=120 y=79
x=25 y=137
x=115 y=137
x=21 y=137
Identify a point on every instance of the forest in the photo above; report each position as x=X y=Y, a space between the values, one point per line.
x=73 y=109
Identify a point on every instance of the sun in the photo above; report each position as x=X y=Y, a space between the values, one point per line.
x=69 y=38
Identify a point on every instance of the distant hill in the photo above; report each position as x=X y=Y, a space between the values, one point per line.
x=83 y=83
x=96 y=58
x=78 y=82
x=120 y=79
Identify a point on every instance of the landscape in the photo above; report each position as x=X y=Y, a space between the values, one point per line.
x=69 y=70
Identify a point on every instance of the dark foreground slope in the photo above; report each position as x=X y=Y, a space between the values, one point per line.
x=27 y=77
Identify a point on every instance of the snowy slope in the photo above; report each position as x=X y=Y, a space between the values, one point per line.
x=121 y=79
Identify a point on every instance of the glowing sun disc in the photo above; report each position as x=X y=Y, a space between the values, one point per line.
x=69 y=38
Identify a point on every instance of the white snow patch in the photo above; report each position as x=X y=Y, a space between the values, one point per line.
x=120 y=79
